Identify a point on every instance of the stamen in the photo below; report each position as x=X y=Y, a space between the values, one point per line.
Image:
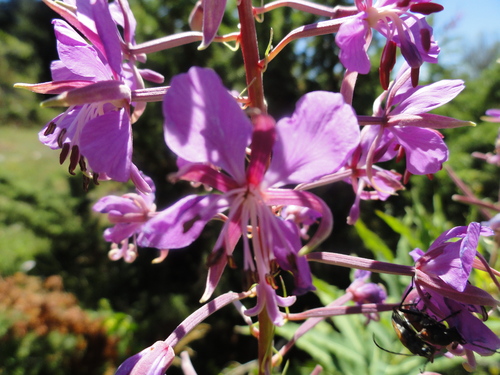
x=50 y=129
x=414 y=76
x=95 y=178
x=231 y=262
x=73 y=159
x=83 y=165
x=425 y=36
x=387 y=62
x=64 y=153
x=426 y=8
x=274 y=267
x=406 y=177
x=60 y=137
x=270 y=281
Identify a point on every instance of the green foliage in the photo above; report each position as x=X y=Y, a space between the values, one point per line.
x=26 y=49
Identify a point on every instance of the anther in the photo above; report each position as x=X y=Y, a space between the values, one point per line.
x=387 y=62
x=270 y=281
x=426 y=8
x=95 y=178
x=60 y=137
x=231 y=262
x=64 y=153
x=425 y=37
x=83 y=165
x=50 y=129
x=414 y=76
x=73 y=159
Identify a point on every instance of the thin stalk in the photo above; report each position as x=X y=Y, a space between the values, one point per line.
x=250 y=51
x=266 y=335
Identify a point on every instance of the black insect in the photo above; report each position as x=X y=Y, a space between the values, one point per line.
x=409 y=337
x=420 y=333
x=429 y=329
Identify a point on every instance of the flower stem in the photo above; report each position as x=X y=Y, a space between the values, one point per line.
x=250 y=51
x=266 y=335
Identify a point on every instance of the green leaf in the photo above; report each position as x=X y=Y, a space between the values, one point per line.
x=373 y=242
x=400 y=228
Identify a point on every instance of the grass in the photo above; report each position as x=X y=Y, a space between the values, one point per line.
x=24 y=159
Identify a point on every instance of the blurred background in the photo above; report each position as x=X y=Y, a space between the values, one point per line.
x=65 y=308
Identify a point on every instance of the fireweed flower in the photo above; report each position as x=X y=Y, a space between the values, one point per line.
x=400 y=125
x=95 y=131
x=443 y=290
x=363 y=292
x=370 y=182
x=128 y=213
x=492 y=115
x=85 y=130
x=397 y=21
x=208 y=130
x=406 y=126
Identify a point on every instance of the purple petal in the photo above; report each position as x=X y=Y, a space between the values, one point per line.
x=214 y=274
x=213 y=11
x=452 y=261
x=203 y=122
x=426 y=98
x=121 y=231
x=477 y=335
x=180 y=224
x=410 y=52
x=468 y=250
x=64 y=121
x=415 y=25
x=493 y=112
x=285 y=248
x=106 y=142
x=108 y=32
x=319 y=137
x=129 y=26
x=351 y=39
x=425 y=150
x=81 y=59
x=114 y=203
x=456 y=232
x=66 y=35
x=266 y=296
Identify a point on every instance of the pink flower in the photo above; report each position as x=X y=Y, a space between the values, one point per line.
x=397 y=21
x=208 y=130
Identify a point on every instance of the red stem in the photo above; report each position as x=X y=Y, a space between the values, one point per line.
x=250 y=51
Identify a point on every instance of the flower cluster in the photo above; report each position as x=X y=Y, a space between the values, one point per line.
x=257 y=170
x=443 y=290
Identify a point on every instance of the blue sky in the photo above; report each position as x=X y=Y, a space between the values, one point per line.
x=466 y=21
